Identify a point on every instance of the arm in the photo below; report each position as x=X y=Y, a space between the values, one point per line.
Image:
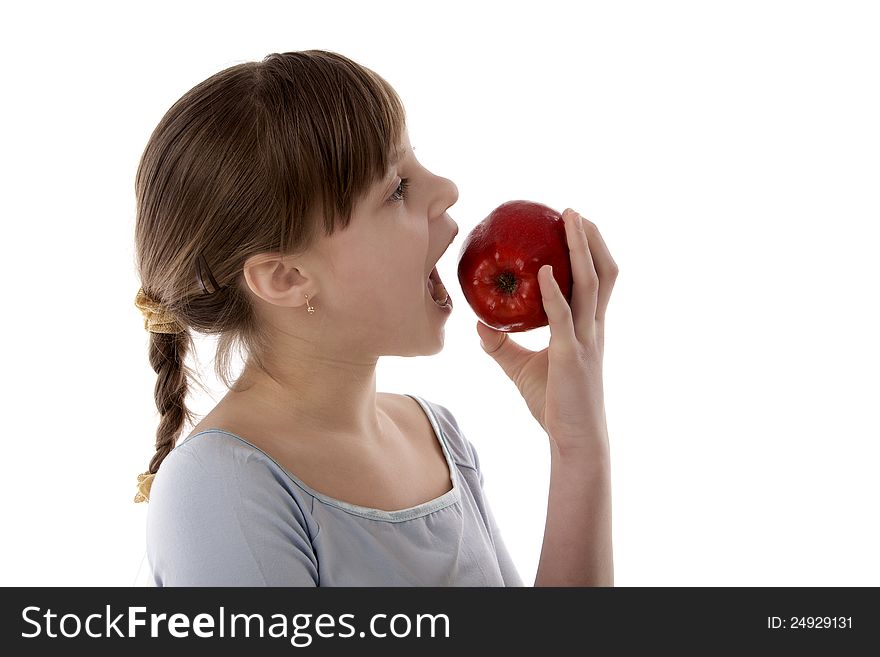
x=577 y=536
x=563 y=388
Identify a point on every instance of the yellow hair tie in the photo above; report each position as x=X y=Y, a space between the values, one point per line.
x=157 y=319
x=145 y=481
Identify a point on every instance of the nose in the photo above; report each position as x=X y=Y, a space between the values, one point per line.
x=446 y=196
x=453 y=192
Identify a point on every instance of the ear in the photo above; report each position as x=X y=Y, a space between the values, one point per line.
x=278 y=280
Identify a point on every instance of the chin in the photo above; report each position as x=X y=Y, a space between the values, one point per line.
x=433 y=344
x=438 y=345
x=433 y=335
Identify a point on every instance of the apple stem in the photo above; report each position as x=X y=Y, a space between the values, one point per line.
x=507 y=283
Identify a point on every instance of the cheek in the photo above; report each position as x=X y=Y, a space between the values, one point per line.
x=383 y=277
x=375 y=281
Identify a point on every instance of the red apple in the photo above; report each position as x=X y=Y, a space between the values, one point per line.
x=499 y=261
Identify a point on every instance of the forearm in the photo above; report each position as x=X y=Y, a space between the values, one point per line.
x=577 y=547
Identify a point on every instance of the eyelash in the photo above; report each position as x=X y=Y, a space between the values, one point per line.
x=400 y=193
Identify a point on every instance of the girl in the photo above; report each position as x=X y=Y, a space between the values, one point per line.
x=281 y=208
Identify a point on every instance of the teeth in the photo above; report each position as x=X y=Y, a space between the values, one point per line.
x=439 y=293
x=437 y=289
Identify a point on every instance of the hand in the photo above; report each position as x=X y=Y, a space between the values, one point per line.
x=562 y=384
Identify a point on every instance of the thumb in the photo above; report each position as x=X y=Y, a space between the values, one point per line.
x=507 y=353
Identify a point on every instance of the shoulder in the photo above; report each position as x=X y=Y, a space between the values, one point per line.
x=462 y=449
x=213 y=456
x=217 y=472
x=222 y=513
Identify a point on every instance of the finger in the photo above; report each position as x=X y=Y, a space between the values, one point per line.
x=557 y=309
x=586 y=281
x=606 y=268
x=510 y=355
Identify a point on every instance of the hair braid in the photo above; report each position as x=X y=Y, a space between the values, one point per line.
x=167 y=354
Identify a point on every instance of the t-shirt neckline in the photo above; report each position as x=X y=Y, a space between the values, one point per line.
x=399 y=515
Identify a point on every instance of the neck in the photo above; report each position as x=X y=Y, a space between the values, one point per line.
x=331 y=397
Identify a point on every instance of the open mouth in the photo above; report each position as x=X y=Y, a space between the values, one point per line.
x=438 y=290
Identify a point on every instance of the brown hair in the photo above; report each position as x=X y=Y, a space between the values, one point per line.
x=257 y=158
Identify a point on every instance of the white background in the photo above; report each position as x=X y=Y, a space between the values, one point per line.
x=728 y=151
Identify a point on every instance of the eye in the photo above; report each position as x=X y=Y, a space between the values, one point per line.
x=400 y=193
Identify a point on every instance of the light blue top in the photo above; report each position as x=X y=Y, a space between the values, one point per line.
x=222 y=512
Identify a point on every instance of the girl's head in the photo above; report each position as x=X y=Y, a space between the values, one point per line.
x=278 y=180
